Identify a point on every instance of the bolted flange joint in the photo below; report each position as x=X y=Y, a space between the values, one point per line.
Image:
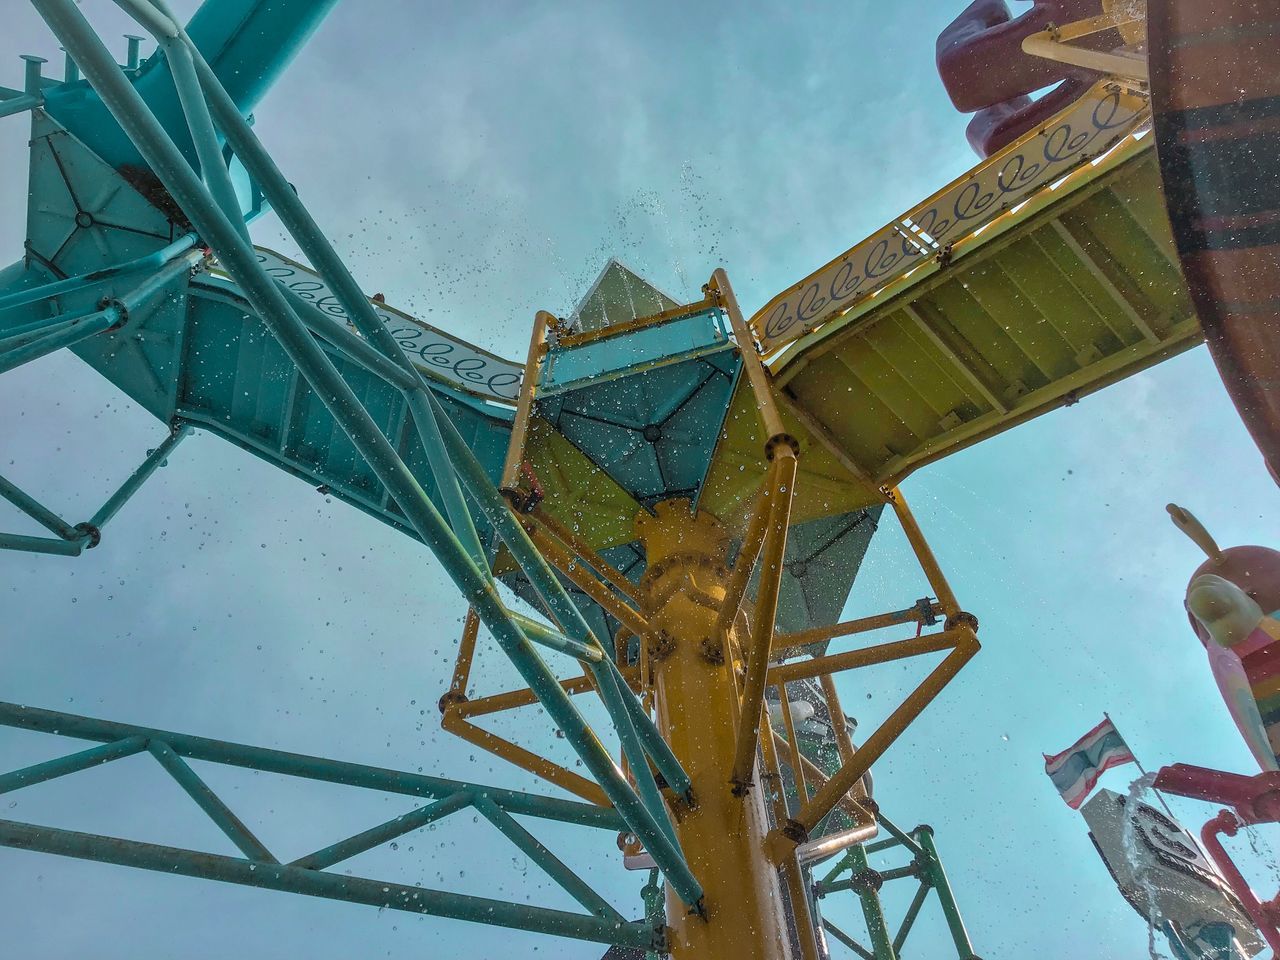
x=781 y=440
x=866 y=881
x=90 y=531
x=121 y=309
x=962 y=619
x=451 y=699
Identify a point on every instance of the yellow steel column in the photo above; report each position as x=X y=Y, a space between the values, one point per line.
x=723 y=834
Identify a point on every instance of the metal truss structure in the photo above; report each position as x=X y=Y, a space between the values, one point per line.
x=149 y=174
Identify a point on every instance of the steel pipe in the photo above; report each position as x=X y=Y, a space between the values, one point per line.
x=315 y=883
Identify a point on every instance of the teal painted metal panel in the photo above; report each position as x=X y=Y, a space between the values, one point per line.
x=629 y=353
x=247 y=42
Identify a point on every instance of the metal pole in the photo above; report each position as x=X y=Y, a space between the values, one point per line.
x=909 y=919
x=82 y=328
x=52 y=769
x=875 y=745
x=316 y=883
x=61 y=548
x=37 y=511
x=113 y=314
x=938 y=880
x=457 y=692
x=210 y=803
x=766 y=612
x=614 y=577
x=304 y=766
x=1141 y=769
x=745 y=565
x=291 y=210
x=376 y=836
x=552 y=591
x=524 y=406
x=213 y=170
x=424 y=418
x=17 y=336
x=924 y=553
x=873 y=911
x=553 y=639
x=533 y=848
x=611 y=692
x=155 y=459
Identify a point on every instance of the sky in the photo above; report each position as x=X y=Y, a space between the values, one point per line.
x=479 y=163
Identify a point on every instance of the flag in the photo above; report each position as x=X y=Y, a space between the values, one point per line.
x=1075 y=771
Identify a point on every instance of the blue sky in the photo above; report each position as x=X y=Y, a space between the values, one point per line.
x=476 y=165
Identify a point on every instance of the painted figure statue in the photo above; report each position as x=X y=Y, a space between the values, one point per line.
x=1233 y=602
x=985 y=72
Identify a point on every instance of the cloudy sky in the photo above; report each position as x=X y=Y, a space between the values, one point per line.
x=476 y=163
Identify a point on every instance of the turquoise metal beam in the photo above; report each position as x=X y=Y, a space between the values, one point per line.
x=81 y=328
x=71 y=284
x=293 y=213
x=74 y=539
x=213 y=170
x=553 y=593
x=19 y=104
x=306 y=767
x=24 y=544
x=615 y=693
x=315 y=883
x=298 y=876
x=550 y=864
x=553 y=639
x=427 y=415
x=166 y=161
x=325 y=260
x=376 y=836
x=133 y=50
x=210 y=803
x=37 y=511
x=157 y=22
x=154 y=460
x=24 y=334
x=52 y=769
x=334 y=331
x=32 y=81
x=113 y=314
x=659 y=750
x=455 y=505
